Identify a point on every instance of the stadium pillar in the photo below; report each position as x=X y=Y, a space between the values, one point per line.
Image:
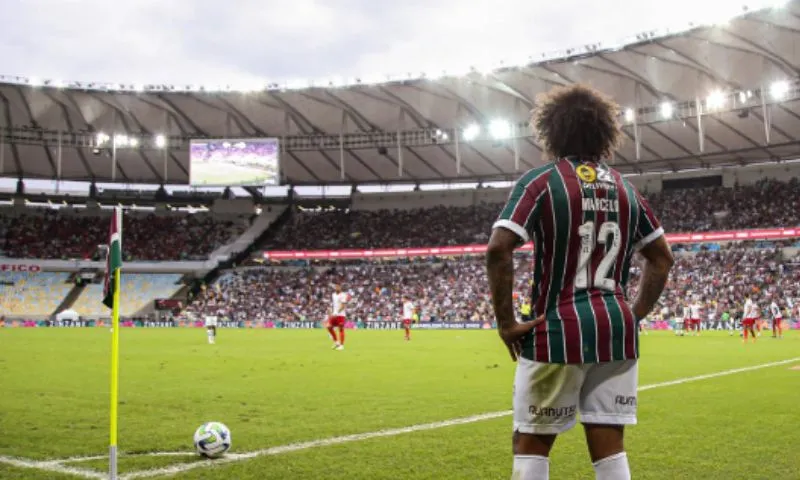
x=701 y=138
x=765 y=114
x=165 y=148
x=2 y=150
x=342 y=128
x=113 y=146
x=456 y=139
x=515 y=139
x=400 y=122
x=637 y=143
x=59 y=156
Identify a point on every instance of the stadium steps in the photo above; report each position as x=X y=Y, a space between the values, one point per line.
x=70 y=299
x=245 y=254
x=261 y=224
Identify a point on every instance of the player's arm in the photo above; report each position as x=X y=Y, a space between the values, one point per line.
x=511 y=231
x=655 y=273
x=653 y=246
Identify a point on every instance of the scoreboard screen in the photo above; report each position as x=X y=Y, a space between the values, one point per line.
x=234 y=162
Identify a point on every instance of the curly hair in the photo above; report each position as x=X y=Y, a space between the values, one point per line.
x=577 y=120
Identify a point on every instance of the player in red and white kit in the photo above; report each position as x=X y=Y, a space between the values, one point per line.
x=408 y=316
x=695 y=311
x=777 y=319
x=749 y=318
x=338 y=317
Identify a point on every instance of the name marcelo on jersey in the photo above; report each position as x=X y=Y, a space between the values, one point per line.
x=601 y=204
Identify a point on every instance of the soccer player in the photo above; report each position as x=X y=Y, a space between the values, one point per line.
x=695 y=310
x=211 y=328
x=338 y=316
x=749 y=317
x=777 y=319
x=579 y=354
x=408 y=316
x=684 y=323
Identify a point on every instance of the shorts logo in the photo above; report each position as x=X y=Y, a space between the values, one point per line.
x=586 y=173
x=551 y=411
x=625 y=401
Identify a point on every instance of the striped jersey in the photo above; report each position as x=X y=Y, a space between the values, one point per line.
x=585 y=221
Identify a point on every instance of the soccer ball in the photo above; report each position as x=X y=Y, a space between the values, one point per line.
x=212 y=439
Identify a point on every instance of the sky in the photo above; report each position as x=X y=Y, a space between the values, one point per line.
x=241 y=41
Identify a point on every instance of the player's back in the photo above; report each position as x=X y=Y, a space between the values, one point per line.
x=585 y=221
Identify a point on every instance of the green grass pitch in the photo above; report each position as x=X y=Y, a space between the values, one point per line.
x=277 y=387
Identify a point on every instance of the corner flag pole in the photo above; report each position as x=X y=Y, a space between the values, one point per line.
x=117 y=270
x=112 y=449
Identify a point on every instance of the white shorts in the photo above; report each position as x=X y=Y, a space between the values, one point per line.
x=548 y=396
x=211 y=321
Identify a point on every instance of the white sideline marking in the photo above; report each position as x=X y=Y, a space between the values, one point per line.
x=54 y=466
x=57 y=465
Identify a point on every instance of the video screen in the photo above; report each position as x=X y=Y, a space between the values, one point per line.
x=234 y=162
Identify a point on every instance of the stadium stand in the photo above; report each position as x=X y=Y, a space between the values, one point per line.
x=140 y=291
x=32 y=293
x=75 y=234
x=766 y=203
x=454 y=289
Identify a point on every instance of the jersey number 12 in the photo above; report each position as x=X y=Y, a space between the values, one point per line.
x=588 y=244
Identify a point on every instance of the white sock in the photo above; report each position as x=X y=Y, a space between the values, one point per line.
x=614 y=467
x=531 y=467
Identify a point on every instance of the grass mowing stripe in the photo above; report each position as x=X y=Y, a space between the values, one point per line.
x=175 y=469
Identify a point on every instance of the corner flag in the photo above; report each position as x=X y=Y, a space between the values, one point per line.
x=113 y=259
x=111 y=292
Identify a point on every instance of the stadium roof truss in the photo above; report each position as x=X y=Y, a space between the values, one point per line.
x=712 y=96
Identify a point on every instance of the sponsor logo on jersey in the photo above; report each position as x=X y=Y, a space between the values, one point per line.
x=586 y=173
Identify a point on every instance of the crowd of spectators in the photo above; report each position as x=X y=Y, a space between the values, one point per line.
x=767 y=203
x=48 y=234
x=456 y=289
x=450 y=290
x=335 y=229
x=723 y=278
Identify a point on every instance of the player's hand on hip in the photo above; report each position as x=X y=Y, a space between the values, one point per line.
x=513 y=334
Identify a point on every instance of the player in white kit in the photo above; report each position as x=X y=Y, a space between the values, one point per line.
x=408 y=316
x=777 y=319
x=749 y=318
x=211 y=328
x=338 y=316
x=695 y=310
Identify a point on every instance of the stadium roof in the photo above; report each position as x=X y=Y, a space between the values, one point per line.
x=744 y=73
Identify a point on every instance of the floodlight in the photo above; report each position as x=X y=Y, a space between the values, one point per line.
x=120 y=140
x=161 y=141
x=629 y=115
x=500 y=129
x=471 y=132
x=100 y=139
x=778 y=90
x=666 y=110
x=133 y=142
x=715 y=100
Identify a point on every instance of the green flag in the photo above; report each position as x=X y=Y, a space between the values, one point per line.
x=113 y=258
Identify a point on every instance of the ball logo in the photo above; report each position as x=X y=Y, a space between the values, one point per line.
x=586 y=173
